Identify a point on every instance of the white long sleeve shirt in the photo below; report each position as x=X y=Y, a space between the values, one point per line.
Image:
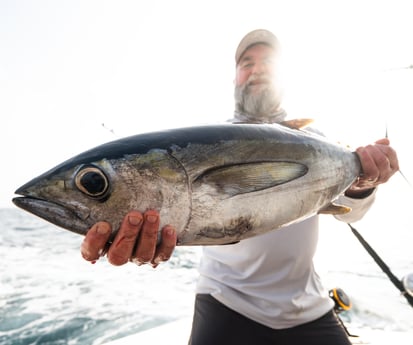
x=271 y=278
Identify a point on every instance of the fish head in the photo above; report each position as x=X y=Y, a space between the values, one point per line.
x=81 y=192
x=74 y=197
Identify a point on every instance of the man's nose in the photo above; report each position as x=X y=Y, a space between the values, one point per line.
x=260 y=68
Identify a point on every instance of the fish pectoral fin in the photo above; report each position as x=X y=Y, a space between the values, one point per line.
x=334 y=209
x=251 y=177
x=296 y=123
x=230 y=243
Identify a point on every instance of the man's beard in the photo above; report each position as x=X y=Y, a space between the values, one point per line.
x=260 y=103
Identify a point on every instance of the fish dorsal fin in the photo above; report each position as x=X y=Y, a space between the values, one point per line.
x=297 y=123
x=251 y=177
x=334 y=209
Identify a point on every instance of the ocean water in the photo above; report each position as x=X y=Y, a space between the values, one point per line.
x=50 y=295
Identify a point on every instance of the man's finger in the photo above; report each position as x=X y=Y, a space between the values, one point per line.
x=166 y=247
x=95 y=241
x=148 y=237
x=121 y=249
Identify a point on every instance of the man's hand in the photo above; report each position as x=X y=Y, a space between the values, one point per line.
x=378 y=162
x=135 y=241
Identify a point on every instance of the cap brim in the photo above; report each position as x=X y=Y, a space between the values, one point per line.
x=256 y=37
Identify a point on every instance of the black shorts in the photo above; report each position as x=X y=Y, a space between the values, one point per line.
x=216 y=324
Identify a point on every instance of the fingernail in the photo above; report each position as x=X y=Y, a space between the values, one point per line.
x=151 y=219
x=93 y=262
x=158 y=259
x=170 y=231
x=85 y=254
x=136 y=261
x=134 y=220
x=102 y=230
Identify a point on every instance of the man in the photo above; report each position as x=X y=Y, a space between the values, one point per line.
x=263 y=290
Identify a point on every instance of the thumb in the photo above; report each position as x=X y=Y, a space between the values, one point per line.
x=384 y=141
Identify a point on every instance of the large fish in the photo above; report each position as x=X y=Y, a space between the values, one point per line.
x=216 y=184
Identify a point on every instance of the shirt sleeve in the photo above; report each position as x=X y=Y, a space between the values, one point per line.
x=359 y=207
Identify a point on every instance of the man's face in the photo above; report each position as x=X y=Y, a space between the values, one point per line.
x=256 y=89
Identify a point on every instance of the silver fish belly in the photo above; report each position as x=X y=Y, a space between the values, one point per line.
x=216 y=184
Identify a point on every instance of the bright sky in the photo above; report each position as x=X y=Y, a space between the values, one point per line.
x=66 y=67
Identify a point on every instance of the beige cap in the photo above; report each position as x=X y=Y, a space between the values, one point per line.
x=255 y=37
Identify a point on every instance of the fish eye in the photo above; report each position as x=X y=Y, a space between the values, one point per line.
x=92 y=181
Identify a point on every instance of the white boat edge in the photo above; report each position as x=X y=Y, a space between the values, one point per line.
x=381 y=337
x=177 y=333
x=171 y=333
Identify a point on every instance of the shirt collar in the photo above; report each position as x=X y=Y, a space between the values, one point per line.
x=240 y=117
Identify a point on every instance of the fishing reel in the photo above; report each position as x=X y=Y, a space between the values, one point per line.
x=341 y=300
x=407 y=282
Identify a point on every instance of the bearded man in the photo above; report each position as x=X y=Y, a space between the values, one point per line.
x=262 y=290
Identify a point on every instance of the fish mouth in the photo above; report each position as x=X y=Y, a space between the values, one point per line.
x=53 y=212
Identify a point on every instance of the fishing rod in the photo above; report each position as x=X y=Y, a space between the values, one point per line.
x=398 y=68
x=405 y=285
x=111 y=130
